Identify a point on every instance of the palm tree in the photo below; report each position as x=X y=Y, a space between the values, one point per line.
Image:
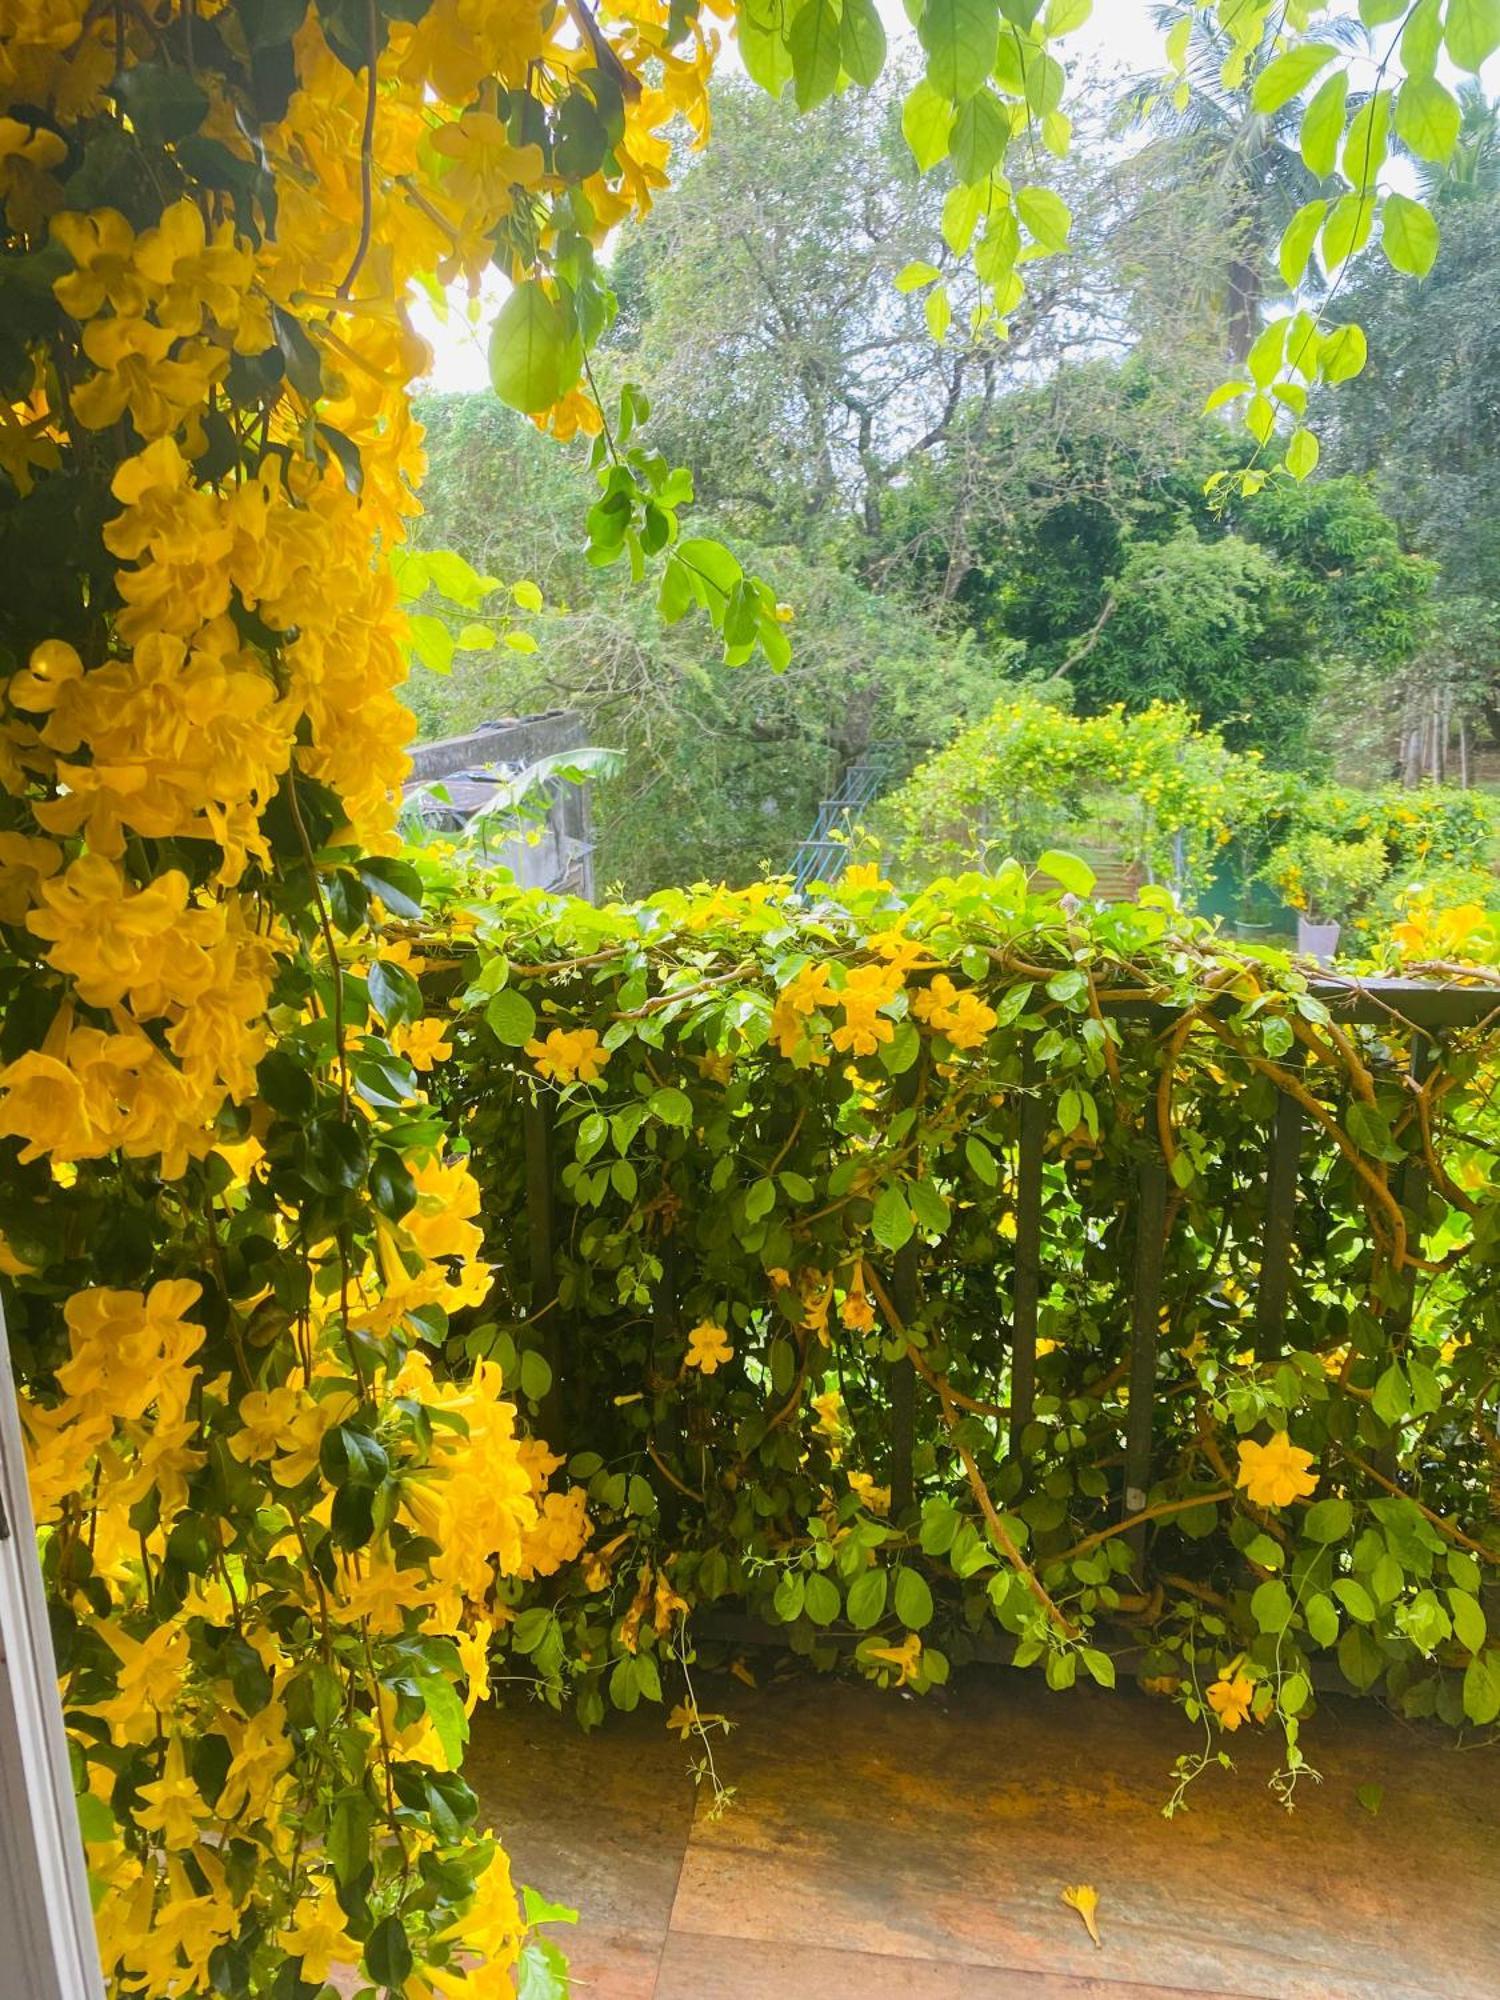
x=1474 y=167
x=1250 y=160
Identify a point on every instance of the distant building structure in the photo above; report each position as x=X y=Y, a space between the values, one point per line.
x=456 y=780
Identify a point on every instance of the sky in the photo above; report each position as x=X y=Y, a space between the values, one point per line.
x=1118 y=35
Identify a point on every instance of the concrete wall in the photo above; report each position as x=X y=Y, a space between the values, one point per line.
x=562 y=857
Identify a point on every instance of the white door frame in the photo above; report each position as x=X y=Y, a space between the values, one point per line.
x=46 y=1927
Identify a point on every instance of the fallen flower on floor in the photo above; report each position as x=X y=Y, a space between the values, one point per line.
x=1084 y=1898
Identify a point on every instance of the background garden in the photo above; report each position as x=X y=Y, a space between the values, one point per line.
x=963 y=523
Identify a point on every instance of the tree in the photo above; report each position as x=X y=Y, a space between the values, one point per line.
x=723 y=772
x=1246 y=161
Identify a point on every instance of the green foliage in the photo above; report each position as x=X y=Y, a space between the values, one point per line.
x=721 y=774
x=800 y=1156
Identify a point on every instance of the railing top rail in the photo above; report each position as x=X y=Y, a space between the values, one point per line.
x=1418 y=1003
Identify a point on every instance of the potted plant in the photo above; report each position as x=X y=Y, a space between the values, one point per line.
x=1326 y=881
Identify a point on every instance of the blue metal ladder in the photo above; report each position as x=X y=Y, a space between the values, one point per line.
x=824 y=855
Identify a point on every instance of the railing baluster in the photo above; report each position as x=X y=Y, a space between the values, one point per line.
x=1276 y=1237
x=1028 y=1269
x=1411 y=1190
x=536 y=1127
x=902 y=1378
x=1145 y=1324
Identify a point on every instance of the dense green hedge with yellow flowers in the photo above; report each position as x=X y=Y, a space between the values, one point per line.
x=770 y=1120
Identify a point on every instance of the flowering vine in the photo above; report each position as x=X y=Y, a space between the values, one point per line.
x=278 y=1530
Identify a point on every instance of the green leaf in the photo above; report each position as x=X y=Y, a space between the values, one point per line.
x=760 y=30
x=926 y=120
x=867 y=1599
x=760 y=1198
x=392 y=1188
x=1408 y=235
x=1328 y=1520
x=1481 y=1690
x=892 y=1222
x=930 y=1206
x=1348 y=227
x=1101 y=1667
x=1301 y=453
x=815 y=51
x=790 y=1596
x=432 y=642
x=396 y=883
x=821 y=1599
x=1343 y=353
x=1422 y=38
x=914 y=1605
x=163 y=104
x=542 y=1973
x=1360 y=1658
x=446 y=1714
x=1323 y=125
x=1469 y=1623
x=671 y=1106
x=1046 y=215
x=394 y=994
x=1355 y=1599
x=511 y=1017
x=1075 y=876
x=1473 y=32
x=1063 y=16
x=862 y=41
x=535 y=353
x=388 y=1958
x=1297 y=242
x=1321 y=1618
x=938 y=309
x=1294 y=1694
x=911 y=277
x=1368 y=141
x=1391 y=1400
x=982 y=1162
x=1271 y=1606
x=980 y=135
x=960 y=38
x=1286 y=76
x=347 y=1842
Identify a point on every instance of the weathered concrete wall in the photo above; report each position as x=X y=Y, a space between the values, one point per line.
x=562 y=857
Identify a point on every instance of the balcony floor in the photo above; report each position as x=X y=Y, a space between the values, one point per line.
x=883 y=1848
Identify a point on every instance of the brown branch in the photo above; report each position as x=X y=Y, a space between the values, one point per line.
x=1000 y=1535
x=1439 y=1521
x=1161 y=1508
x=366 y=154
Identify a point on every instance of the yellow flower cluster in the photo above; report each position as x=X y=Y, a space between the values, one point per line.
x=201 y=741
x=962 y=1016
x=569 y=1055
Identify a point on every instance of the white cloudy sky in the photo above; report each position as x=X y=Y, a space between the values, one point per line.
x=1119 y=35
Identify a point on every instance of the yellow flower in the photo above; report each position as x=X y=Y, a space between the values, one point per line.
x=423 y=1043
x=797 y=1001
x=102 y=246
x=857 y=1312
x=962 y=1016
x=569 y=1055
x=1230 y=1698
x=1084 y=1898
x=906 y=1658
x=875 y=1499
x=864 y=875
x=1275 y=1474
x=867 y=989
x=173 y=1802
x=318 y=1939
x=830 y=1409
x=708 y=1347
